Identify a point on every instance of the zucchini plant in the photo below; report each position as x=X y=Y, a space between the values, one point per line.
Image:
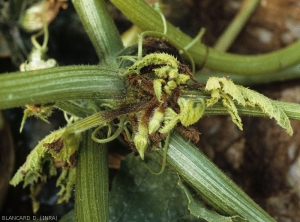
x=148 y=97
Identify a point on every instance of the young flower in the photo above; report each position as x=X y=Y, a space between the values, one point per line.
x=156 y=120
x=141 y=140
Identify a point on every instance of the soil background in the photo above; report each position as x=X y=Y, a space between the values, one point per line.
x=262 y=158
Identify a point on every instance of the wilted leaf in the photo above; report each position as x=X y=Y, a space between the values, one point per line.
x=64 y=146
x=66 y=181
x=268 y=106
x=225 y=89
x=32 y=169
x=40 y=166
x=232 y=110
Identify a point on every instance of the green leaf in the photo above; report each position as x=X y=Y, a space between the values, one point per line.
x=34 y=192
x=68 y=217
x=198 y=209
x=139 y=195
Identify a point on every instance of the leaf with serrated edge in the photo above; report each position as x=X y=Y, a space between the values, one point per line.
x=215 y=96
x=212 y=84
x=215 y=85
x=70 y=145
x=268 y=106
x=233 y=90
x=224 y=88
x=32 y=170
x=232 y=110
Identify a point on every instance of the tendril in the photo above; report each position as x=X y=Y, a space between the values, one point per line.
x=157 y=7
x=122 y=59
x=41 y=32
x=196 y=39
x=69 y=118
x=128 y=134
x=109 y=136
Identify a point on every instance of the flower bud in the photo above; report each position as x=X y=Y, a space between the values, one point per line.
x=141 y=140
x=156 y=120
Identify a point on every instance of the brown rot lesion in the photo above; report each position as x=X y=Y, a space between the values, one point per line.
x=158 y=80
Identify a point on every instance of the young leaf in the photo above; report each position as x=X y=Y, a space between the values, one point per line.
x=225 y=89
x=232 y=110
x=268 y=106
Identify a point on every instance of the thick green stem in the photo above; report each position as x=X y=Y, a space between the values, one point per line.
x=60 y=83
x=100 y=28
x=290 y=109
x=91 y=187
x=88 y=123
x=210 y=182
x=236 y=25
x=148 y=19
x=289 y=73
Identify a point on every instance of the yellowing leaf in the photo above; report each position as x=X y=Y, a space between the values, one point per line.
x=225 y=85
x=225 y=89
x=215 y=96
x=212 y=84
x=60 y=146
x=232 y=110
x=268 y=106
x=190 y=112
x=233 y=90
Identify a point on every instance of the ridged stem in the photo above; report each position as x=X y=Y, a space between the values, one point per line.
x=288 y=73
x=209 y=181
x=100 y=28
x=91 y=187
x=59 y=83
x=290 y=109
